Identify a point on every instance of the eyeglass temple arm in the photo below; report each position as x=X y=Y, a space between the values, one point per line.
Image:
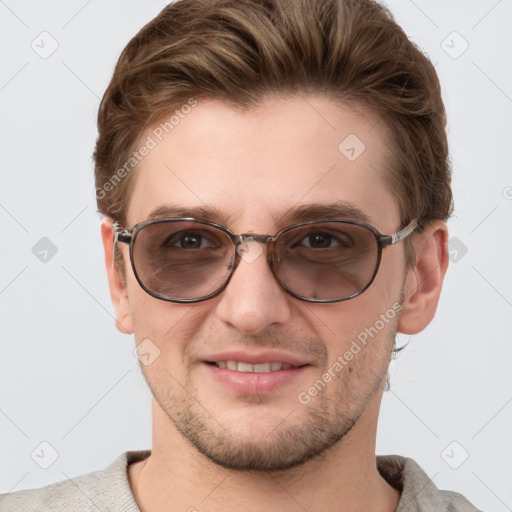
x=121 y=234
x=399 y=235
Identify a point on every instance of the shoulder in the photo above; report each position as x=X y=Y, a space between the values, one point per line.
x=418 y=492
x=106 y=490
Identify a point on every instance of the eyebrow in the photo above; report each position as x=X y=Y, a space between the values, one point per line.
x=209 y=213
x=319 y=211
x=339 y=210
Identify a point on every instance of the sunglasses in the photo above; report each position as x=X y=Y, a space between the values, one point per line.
x=189 y=260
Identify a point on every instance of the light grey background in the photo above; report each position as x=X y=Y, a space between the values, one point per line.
x=68 y=378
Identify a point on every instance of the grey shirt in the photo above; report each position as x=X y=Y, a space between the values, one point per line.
x=109 y=490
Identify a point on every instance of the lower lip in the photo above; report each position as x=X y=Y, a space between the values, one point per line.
x=254 y=382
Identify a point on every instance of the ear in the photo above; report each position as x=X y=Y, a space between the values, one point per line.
x=117 y=287
x=424 y=281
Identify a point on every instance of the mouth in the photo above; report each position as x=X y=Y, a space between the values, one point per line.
x=254 y=373
x=240 y=366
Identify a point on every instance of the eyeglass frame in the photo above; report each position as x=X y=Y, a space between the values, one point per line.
x=128 y=236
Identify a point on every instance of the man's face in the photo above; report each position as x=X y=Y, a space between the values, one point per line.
x=255 y=167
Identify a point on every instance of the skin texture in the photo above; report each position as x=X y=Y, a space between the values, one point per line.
x=254 y=167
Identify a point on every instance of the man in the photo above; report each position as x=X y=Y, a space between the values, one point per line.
x=275 y=183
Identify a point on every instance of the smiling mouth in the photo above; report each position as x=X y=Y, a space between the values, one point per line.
x=239 y=366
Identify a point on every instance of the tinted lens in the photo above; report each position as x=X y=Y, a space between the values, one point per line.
x=182 y=260
x=330 y=260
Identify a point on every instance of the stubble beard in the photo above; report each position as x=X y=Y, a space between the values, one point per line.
x=323 y=423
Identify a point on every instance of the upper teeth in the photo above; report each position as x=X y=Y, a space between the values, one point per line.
x=246 y=367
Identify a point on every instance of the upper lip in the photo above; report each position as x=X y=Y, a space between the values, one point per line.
x=268 y=356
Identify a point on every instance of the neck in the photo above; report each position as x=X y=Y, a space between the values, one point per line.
x=343 y=478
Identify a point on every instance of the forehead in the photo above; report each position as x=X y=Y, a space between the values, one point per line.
x=253 y=167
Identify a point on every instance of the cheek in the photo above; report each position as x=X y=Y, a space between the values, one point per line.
x=151 y=317
x=359 y=334
x=370 y=346
x=171 y=327
x=359 y=366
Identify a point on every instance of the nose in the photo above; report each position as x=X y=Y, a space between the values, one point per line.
x=253 y=298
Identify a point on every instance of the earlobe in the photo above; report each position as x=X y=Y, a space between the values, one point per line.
x=117 y=287
x=424 y=282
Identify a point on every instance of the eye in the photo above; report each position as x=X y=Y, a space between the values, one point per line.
x=188 y=240
x=323 y=240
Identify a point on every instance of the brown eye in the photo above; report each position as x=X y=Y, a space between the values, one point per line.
x=325 y=240
x=190 y=240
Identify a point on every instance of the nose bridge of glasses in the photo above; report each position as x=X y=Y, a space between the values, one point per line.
x=248 y=251
x=253 y=237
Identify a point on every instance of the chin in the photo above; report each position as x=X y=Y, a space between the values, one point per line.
x=260 y=444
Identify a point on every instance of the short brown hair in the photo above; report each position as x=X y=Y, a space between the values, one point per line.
x=242 y=51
